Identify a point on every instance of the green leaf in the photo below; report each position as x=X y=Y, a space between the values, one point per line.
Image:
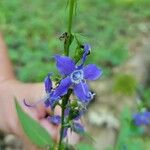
x=35 y=132
x=84 y=146
x=129 y=84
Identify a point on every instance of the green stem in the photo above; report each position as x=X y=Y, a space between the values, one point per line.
x=62 y=129
x=64 y=103
x=67 y=44
x=71 y=12
x=68 y=40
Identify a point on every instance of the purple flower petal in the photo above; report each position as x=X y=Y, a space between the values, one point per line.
x=142 y=118
x=64 y=64
x=81 y=113
x=51 y=100
x=87 y=49
x=47 y=103
x=81 y=90
x=65 y=132
x=54 y=119
x=92 y=72
x=32 y=104
x=28 y=105
x=78 y=128
x=62 y=87
x=48 y=84
x=67 y=111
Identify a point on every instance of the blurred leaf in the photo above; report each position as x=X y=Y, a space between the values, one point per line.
x=84 y=146
x=125 y=84
x=134 y=144
x=128 y=138
x=35 y=132
x=31 y=30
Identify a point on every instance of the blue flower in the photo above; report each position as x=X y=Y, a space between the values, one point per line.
x=48 y=84
x=75 y=77
x=74 y=113
x=65 y=132
x=87 y=50
x=142 y=118
x=50 y=99
x=72 y=124
x=56 y=120
x=78 y=128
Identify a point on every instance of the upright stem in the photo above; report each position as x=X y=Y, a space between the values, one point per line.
x=71 y=12
x=68 y=40
x=67 y=44
x=62 y=124
x=64 y=103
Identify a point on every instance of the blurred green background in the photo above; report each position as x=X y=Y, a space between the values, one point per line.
x=32 y=29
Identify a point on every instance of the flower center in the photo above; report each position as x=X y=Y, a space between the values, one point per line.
x=77 y=76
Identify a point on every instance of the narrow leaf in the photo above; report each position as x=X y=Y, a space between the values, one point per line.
x=35 y=132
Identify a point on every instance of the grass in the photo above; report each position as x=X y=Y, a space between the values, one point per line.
x=32 y=29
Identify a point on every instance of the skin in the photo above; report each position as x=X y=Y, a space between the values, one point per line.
x=10 y=87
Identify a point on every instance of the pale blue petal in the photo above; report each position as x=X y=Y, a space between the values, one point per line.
x=54 y=119
x=92 y=72
x=78 y=128
x=81 y=90
x=87 y=50
x=48 y=84
x=62 y=87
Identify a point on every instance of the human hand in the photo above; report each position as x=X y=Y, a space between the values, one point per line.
x=32 y=93
x=10 y=88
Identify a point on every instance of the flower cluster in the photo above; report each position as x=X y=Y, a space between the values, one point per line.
x=74 y=78
x=142 y=118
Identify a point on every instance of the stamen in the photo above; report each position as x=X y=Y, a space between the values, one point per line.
x=77 y=76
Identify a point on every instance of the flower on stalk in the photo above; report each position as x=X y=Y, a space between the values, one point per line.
x=87 y=50
x=78 y=128
x=74 y=113
x=69 y=122
x=75 y=77
x=50 y=99
x=56 y=119
x=142 y=118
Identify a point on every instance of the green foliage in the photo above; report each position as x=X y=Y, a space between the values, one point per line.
x=144 y=95
x=146 y=98
x=146 y=143
x=35 y=132
x=128 y=138
x=84 y=146
x=125 y=84
x=31 y=29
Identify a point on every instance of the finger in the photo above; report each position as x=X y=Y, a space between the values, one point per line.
x=73 y=138
x=52 y=129
x=57 y=110
x=31 y=111
x=42 y=111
